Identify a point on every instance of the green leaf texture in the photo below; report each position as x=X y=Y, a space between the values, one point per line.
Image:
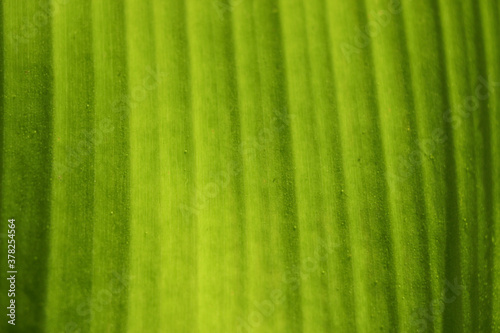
x=251 y=165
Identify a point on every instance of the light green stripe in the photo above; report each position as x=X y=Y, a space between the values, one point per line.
x=430 y=103
x=220 y=230
x=363 y=162
x=480 y=228
x=72 y=216
x=111 y=165
x=311 y=202
x=463 y=158
x=145 y=189
x=490 y=14
x=399 y=133
x=178 y=289
x=334 y=231
x=282 y=218
x=262 y=283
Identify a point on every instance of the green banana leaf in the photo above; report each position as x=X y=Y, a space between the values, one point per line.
x=250 y=166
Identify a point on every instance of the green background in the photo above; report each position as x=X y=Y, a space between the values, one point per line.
x=251 y=165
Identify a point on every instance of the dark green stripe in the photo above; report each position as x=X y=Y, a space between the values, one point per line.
x=26 y=121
